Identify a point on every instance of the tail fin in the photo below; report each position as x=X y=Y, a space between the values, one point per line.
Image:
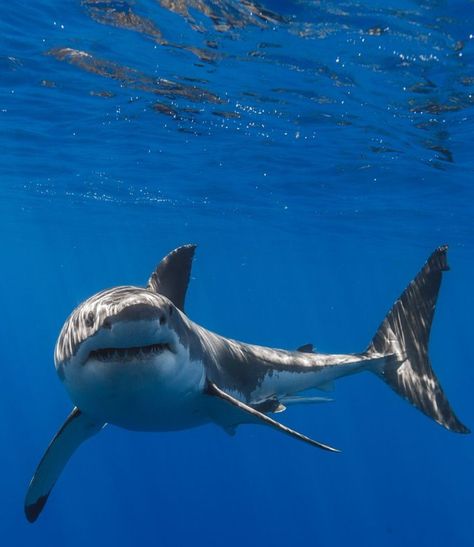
x=405 y=333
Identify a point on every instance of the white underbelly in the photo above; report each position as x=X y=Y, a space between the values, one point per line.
x=153 y=394
x=283 y=383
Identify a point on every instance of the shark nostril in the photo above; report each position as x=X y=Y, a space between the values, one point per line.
x=90 y=319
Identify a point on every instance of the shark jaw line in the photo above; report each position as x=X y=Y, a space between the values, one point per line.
x=128 y=341
x=135 y=353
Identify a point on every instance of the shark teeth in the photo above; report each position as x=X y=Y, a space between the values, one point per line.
x=128 y=354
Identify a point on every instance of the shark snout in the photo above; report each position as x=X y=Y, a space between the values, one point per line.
x=132 y=329
x=136 y=312
x=125 y=317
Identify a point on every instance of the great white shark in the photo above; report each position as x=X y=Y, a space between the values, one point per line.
x=131 y=357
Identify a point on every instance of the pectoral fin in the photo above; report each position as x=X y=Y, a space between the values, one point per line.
x=76 y=429
x=212 y=389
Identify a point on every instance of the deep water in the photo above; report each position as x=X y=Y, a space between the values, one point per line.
x=316 y=152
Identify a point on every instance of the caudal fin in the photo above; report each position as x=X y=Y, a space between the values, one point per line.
x=405 y=333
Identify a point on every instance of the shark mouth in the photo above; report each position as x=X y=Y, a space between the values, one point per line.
x=128 y=354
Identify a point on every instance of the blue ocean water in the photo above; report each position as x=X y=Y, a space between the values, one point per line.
x=317 y=152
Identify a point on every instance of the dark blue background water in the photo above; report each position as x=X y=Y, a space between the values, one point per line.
x=317 y=153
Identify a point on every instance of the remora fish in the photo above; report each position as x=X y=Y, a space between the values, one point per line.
x=130 y=356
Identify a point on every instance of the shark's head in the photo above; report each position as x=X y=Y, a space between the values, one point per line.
x=118 y=345
x=120 y=319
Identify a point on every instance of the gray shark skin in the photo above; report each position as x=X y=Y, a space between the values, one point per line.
x=131 y=357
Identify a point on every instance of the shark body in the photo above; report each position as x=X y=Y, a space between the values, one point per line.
x=131 y=357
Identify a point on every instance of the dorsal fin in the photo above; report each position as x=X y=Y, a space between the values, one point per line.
x=306 y=348
x=171 y=276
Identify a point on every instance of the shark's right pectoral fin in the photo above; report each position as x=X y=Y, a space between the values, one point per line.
x=212 y=389
x=76 y=429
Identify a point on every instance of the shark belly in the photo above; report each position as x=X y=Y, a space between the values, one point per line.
x=143 y=394
x=282 y=383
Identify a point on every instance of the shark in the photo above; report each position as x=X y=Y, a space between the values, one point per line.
x=130 y=356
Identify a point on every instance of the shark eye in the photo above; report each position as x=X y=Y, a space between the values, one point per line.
x=171 y=310
x=90 y=319
x=162 y=320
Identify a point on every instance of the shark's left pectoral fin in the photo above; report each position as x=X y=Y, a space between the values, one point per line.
x=212 y=389
x=76 y=429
